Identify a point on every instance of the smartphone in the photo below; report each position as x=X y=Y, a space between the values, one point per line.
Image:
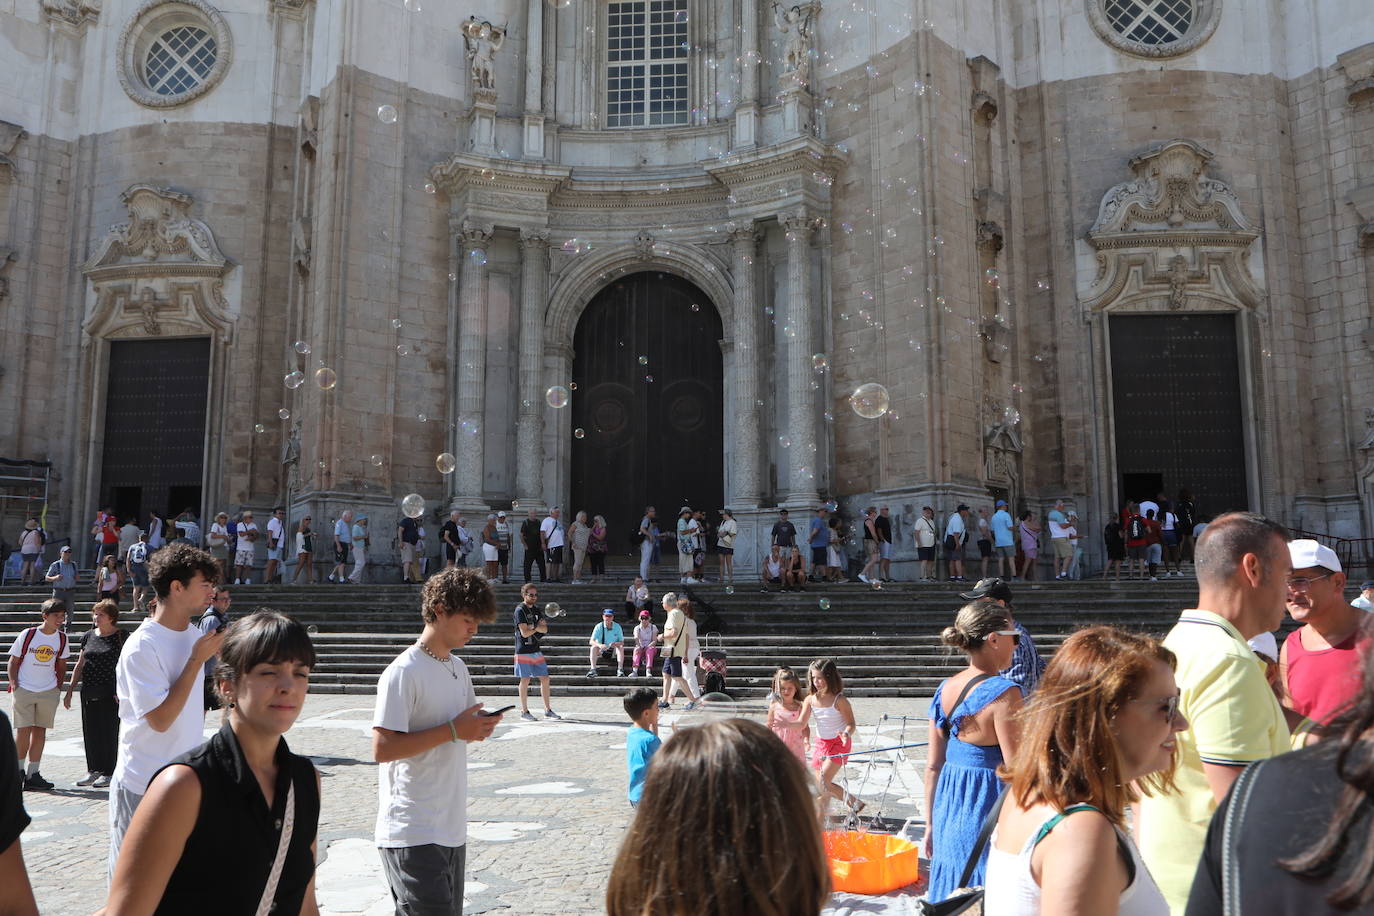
x=496 y=712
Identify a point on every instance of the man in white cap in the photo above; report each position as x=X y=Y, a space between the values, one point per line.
x=1319 y=663
x=1365 y=599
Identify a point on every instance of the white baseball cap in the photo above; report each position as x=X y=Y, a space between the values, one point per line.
x=1307 y=553
x=1265 y=644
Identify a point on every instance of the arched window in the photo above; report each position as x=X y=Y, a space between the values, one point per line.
x=1154 y=28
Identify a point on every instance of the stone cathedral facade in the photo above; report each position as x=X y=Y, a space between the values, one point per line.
x=606 y=253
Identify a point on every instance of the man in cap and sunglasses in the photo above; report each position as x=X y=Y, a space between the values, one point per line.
x=1319 y=663
x=1026 y=664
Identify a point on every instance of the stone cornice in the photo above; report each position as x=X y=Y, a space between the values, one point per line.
x=463 y=171
x=804 y=155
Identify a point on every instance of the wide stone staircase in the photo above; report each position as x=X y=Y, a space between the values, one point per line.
x=886 y=640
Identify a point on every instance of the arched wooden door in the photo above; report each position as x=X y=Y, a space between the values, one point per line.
x=649 y=376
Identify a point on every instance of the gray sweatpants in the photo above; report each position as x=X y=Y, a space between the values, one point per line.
x=425 y=880
x=123 y=803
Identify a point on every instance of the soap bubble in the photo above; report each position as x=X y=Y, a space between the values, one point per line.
x=386 y=114
x=294 y=379
x=1017 y=387
x=560 y=4
x=376 y=461
x=695 y=307
x=577 y=246
x=396 y=323
x=445 y=462
x=572 y=386
x=422 y=417
x=283 y=414
x=479 y=257
x=870 y=400
x=413 y=505
x=326 y=378
x=313 y=630
x=488 y=174
x=824 y=604
x=649 y=379
x=470 y=427
x=556 y=396
x=820 y=362
x=403 y=350
x=430 y=187
x=729 y=589
x=784 y=442
x=644 y=360
x=579 y=433
x=1011 y=415
x=301 y=347
x=259 y=428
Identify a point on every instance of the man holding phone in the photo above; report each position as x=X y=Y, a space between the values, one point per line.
x=426 y=713
x=214 y=620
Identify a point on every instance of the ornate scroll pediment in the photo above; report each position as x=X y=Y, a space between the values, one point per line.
x=1172 y=238
x=159 y=273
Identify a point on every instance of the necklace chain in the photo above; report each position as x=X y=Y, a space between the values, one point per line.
x=447 y=663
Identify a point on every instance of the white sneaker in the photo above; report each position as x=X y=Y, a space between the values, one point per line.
x=864 y=579
x=1154 y=578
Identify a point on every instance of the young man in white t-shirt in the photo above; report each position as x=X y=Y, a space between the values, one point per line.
x=37 y=669
x=551 y=534
x=245 y=552
x=157 y=680
x=426 y=713
x=276 y=535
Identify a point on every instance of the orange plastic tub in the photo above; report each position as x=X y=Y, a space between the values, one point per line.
x=871 y=863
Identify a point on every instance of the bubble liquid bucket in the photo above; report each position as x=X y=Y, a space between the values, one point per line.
x=871 y=863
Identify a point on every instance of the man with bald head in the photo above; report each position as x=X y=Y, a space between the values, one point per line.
x=1232 y=717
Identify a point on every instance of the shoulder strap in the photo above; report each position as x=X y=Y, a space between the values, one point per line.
x=1230 y=840
x=963 y=694
x=28 y=641
x=268 y=903
x=984 y=834
x=1121 y=846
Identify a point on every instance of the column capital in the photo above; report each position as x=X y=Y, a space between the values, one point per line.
x=475 y=235
x=798 y=223
x=745 y=236
x=534 y=238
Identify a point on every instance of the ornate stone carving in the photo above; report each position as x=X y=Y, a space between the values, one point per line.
x=73 y=12
x=795 y=24
x=644 y=246
x=159 y=273
x=1001 y=452
x=473 y=235
x=990 y=235
x=1172 y=237
x=483 y=40
x=10 y=135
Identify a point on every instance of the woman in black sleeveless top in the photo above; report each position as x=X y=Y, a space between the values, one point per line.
x=206 y=837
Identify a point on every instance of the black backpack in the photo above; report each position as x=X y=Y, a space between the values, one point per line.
x=1135 y=529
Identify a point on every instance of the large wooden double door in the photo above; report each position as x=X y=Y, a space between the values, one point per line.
x=648 y=404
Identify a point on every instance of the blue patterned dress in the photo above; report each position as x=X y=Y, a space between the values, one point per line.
x=967 y=787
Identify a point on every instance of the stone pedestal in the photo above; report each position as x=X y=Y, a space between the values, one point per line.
x=482 y=122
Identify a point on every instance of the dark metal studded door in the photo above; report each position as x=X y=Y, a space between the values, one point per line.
x=648 y=401
x=1177 y=405
x=154 y=424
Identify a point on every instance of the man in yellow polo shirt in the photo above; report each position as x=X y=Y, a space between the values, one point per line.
x=1235 y=719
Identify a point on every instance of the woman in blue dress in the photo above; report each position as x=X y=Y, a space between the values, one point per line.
x=972 y=730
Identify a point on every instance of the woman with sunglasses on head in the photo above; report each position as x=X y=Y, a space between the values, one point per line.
x=229 y=828
x=305 y=552
x=973 y=729
x=1101 y=724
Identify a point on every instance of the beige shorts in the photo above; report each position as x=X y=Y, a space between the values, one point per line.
x=35 y=707
x=1062 y=548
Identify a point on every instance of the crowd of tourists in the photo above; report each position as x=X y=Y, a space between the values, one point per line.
x=1212 y=771
x=1146 y=539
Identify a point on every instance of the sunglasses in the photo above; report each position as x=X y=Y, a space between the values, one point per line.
x=1302 y=583
x=1014 y=634
x=1170 y=705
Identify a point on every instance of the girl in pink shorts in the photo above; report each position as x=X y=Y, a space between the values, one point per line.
x=835 y=729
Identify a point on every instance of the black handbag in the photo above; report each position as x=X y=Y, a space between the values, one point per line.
x=967 y=901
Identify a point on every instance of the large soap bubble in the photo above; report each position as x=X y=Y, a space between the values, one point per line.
x=413 y=505
x=557 y=396
x=326 y=378
x=294 y=379
x=870 y=400
x=445 y=462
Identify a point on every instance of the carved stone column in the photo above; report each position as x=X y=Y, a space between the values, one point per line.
x=472 y=365
x=801 y=425
x=533 y=121
x=747 y=445
x=529 y=429
x=747 y=111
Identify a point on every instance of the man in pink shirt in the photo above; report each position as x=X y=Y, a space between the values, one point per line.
x=1319 y=663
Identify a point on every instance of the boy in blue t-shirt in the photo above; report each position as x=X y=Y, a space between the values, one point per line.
x=641 y=705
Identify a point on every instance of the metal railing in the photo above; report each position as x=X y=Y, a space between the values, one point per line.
x=1354 y=553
